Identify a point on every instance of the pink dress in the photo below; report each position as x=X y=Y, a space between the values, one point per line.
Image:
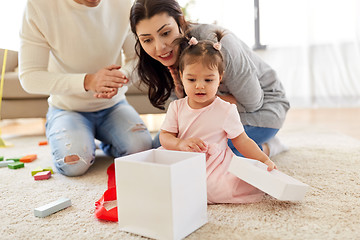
x=213 y=124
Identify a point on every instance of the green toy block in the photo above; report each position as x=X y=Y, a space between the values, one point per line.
x=40 y=169
x=16 y=165
x=36 y=170
x=1 y=158
x=49 y=169
x=14 y=159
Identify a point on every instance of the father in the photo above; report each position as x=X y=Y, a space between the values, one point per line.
x=71 y=50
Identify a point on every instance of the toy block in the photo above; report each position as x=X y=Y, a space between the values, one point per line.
x=36 y=170
x=43 y=143
x=16 y=165
x=5 y=163
x=52 y=207
x=28 y=158
x=1 y=158
x=42 y=175
x=14 y=159
x=49 y=169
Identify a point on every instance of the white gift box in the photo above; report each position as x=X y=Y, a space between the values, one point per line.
x=161 y=194
x=275 y=183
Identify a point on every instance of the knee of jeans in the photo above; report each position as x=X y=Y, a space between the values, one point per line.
x=138 y=127
x=76 y=169
x=141 y=144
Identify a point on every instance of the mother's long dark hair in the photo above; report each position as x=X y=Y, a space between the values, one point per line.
x=151 y=72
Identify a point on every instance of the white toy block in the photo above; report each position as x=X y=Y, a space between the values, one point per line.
x=161 y=194
x=5 y=163
x=275 y=183
x=52 y=207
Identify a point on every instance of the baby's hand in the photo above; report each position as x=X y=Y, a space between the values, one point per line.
x=192 y=145
x=271 y=165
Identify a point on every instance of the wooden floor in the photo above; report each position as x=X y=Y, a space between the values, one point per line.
x=343 y=120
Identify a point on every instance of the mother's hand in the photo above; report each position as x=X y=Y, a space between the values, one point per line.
x=105 y=82
x=179 y=89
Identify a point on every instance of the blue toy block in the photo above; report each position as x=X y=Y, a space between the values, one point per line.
x=52 y=207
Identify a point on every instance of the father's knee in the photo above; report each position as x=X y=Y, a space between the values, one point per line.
x=73 y=165
x=141 y=144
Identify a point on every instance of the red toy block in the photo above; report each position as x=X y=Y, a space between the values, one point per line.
x=28 y=158
x=42 y=175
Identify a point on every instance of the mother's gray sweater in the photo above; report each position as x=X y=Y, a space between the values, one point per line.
x=260 y=96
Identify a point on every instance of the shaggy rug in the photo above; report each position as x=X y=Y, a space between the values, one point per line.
x=327 y=161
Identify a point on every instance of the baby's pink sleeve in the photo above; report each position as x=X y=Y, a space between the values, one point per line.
x=170 y=123
x=232 y=124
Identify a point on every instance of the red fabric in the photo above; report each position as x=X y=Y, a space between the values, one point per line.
x=109 y=195
x=111 y=175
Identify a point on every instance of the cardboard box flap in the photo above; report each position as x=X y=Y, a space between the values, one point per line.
x=275 y=183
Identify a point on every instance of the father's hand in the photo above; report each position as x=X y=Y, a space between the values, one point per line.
x=105 y=82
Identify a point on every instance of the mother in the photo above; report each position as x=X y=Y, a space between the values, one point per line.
x=248 y=82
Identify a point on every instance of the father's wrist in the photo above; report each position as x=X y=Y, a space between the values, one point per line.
x=87 y=82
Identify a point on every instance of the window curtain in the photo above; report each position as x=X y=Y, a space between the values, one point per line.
x=312 y=44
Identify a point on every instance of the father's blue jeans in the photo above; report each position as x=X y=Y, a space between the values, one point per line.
x=260 y=135
x=119 y=128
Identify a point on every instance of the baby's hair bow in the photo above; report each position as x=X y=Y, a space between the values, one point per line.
x=193 y=41
x=217 y=46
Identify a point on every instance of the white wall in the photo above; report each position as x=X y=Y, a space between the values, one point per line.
x=314 y=45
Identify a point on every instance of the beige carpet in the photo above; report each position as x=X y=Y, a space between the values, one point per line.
x=328 y=162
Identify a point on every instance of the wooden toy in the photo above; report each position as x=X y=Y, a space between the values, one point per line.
x=52 y=207
x=37 y=170
x=5 y=163
x=40 y=169
x=16 y=165
x=14 y=159
x=43 y=143
x=49 y=169
x=28 y=158
x=42 y=175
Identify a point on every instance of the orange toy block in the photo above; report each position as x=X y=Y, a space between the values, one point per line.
x=28 y=158
x=42 y=143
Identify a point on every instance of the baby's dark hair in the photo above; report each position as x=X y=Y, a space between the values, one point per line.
x=203 y=51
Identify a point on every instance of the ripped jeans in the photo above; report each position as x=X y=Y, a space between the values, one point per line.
x=119 y=128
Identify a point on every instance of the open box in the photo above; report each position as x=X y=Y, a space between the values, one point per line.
x=275 y=183
x=161 y=194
